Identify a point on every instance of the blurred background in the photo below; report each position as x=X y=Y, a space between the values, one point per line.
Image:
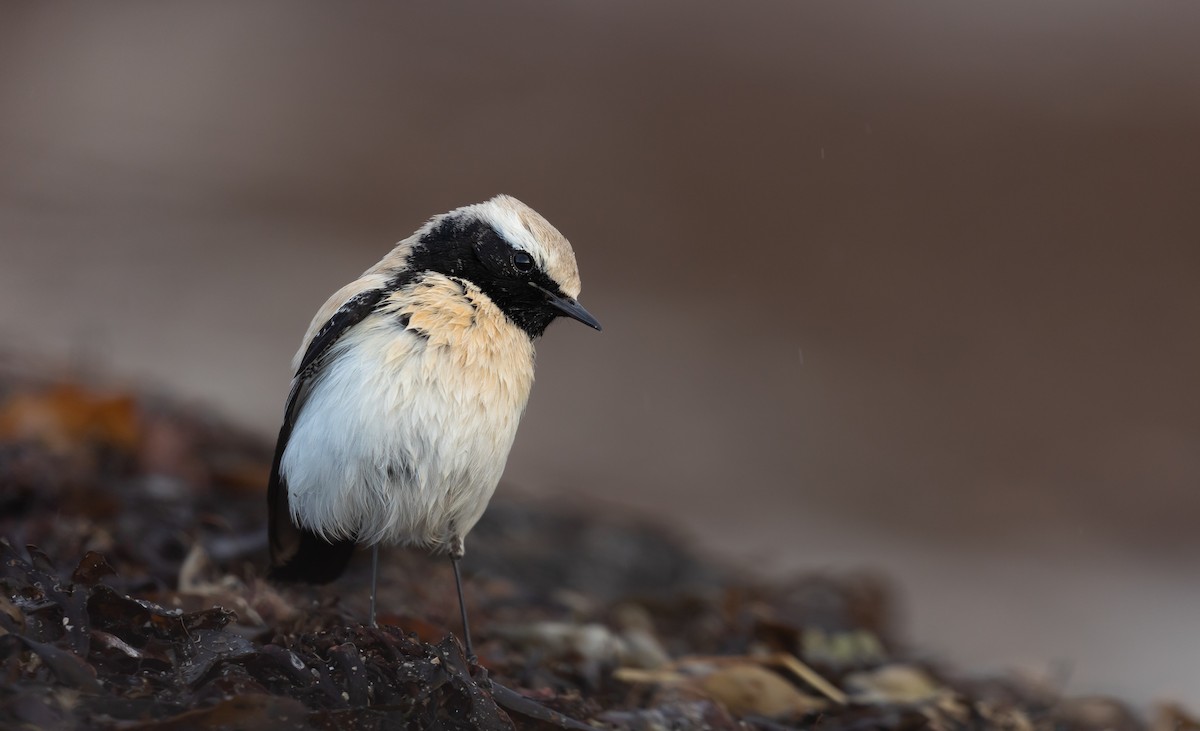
x=909 y=288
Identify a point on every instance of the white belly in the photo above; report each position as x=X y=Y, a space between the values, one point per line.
x=403 y=437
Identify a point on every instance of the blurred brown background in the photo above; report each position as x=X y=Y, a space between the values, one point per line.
x=909 y=287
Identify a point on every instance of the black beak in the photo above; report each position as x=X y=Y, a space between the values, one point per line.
x=569 y=307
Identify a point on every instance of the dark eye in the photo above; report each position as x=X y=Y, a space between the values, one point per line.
x=522 y=261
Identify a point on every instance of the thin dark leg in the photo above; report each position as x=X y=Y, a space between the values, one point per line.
x=374 y=580
x=462 y=608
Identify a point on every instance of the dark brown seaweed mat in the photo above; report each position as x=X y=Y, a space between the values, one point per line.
x=132 y=547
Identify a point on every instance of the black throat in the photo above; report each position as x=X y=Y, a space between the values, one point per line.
x=471 y=249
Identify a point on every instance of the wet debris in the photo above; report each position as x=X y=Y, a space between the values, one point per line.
x=132 y=597
x=139 y=660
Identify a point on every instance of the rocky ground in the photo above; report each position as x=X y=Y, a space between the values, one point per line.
x=134 y=546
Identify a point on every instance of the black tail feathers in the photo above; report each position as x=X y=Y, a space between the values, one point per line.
x=316 y=561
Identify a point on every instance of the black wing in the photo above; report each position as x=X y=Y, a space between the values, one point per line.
x=298 y=554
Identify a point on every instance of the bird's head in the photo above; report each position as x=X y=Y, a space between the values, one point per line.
x=507 y=250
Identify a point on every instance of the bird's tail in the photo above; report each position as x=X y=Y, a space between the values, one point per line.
x=313 y=560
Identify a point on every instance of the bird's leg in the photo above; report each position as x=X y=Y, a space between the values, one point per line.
x=456 y=553
x=374 y=580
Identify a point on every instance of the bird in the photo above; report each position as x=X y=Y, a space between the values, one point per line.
x=408 y=388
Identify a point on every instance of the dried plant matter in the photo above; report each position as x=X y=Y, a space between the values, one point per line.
x=132 y=598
